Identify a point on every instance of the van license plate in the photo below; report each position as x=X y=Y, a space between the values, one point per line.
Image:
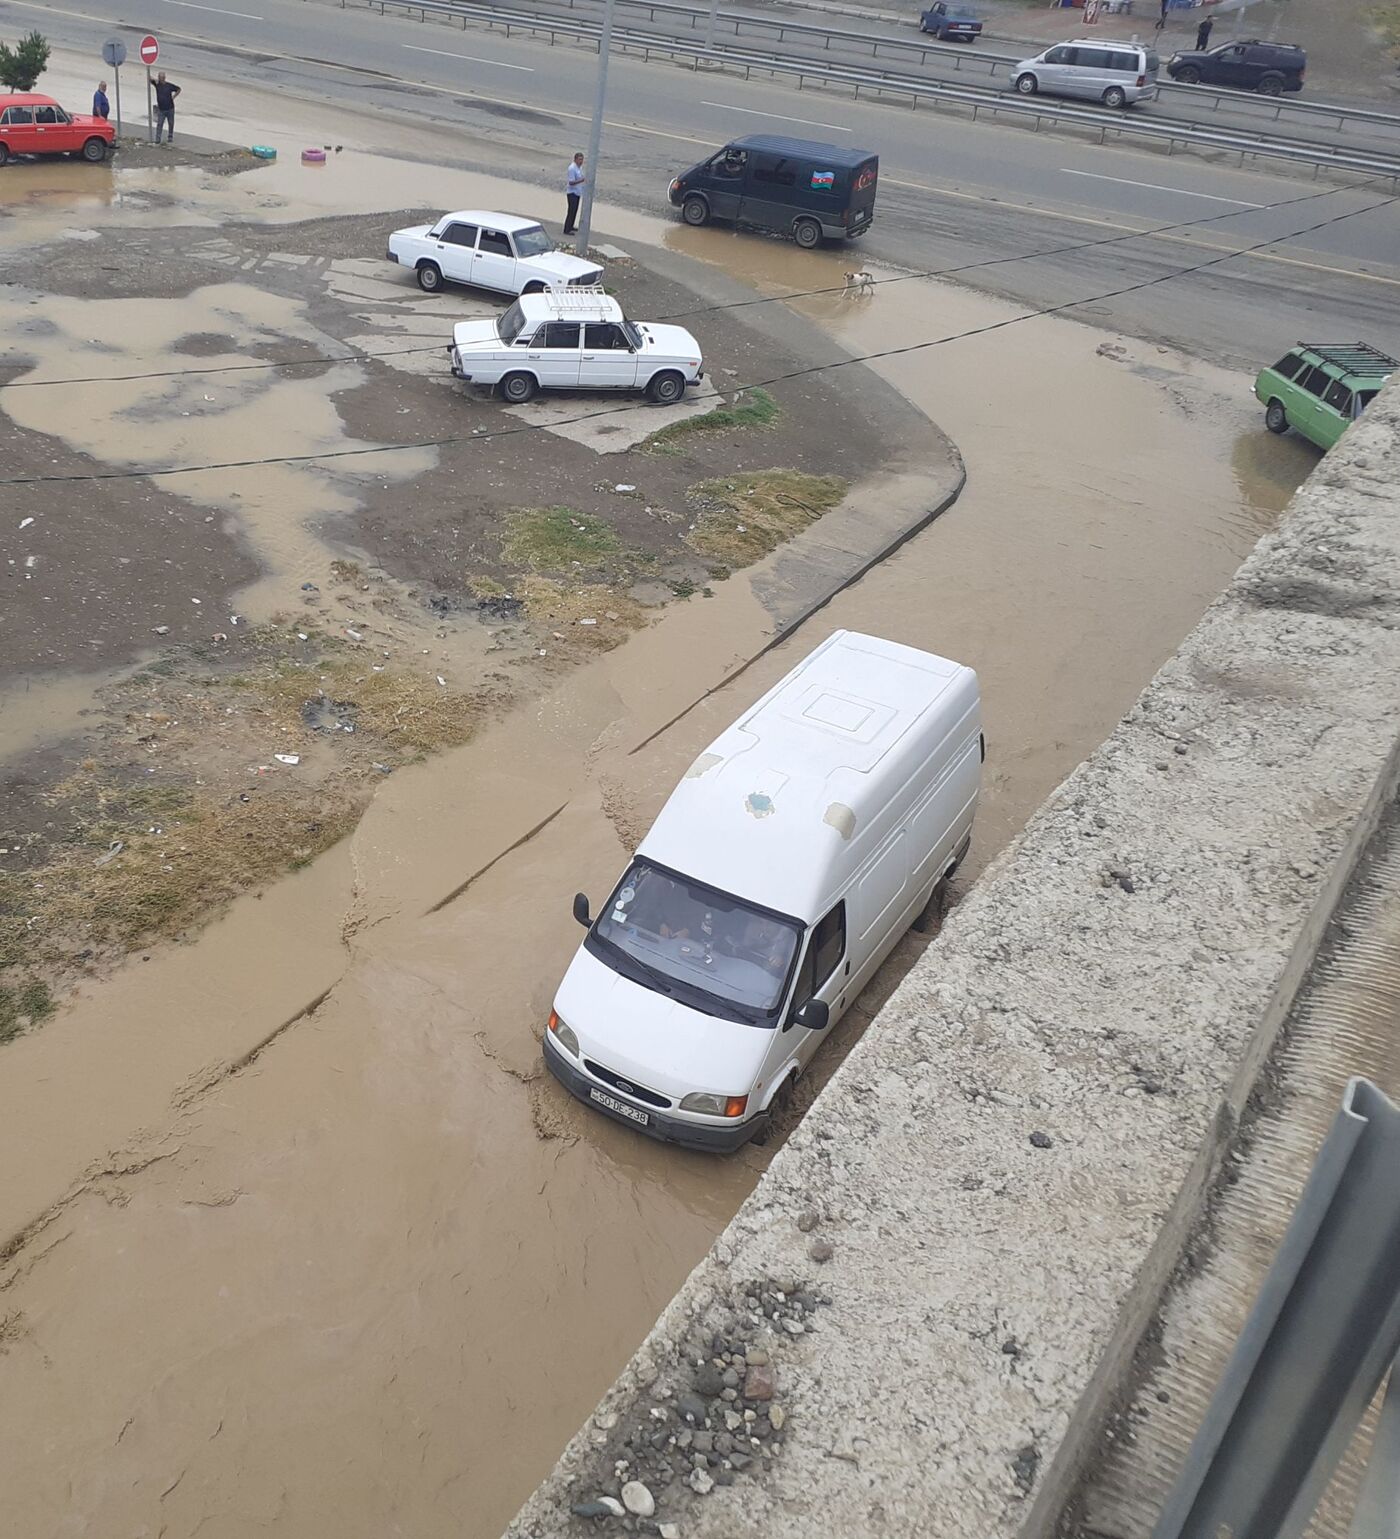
x=621 y=1107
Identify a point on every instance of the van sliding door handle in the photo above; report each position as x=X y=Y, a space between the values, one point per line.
x=848 y=967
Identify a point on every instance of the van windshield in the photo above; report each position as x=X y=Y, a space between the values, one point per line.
x=711 y=950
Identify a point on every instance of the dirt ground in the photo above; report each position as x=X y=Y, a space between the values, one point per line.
x=206 y=674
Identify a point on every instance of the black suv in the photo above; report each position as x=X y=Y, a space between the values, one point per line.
x=1269 y=68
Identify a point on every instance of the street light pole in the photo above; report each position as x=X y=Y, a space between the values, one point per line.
x=710 y=25
x=595 y=135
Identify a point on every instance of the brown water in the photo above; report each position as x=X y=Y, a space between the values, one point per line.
x=368 y=1279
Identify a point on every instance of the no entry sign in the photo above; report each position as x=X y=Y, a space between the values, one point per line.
x=149 y=49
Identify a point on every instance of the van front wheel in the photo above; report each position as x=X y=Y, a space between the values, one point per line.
x=1027 y=84
x=695 y=211
x=807 y=233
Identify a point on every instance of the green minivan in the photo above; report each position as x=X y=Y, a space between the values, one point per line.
x=1320 y=387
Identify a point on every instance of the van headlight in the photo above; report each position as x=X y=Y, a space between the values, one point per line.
x=715 y=1105
x=563 y=1034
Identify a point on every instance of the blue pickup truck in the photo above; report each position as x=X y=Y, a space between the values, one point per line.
x=951 y=23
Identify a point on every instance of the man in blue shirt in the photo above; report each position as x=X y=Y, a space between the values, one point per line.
x=575 y=181
x=101 y=107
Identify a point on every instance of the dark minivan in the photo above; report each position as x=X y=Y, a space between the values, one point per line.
x=793 y=186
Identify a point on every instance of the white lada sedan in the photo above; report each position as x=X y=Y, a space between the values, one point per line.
x=488 y=251
x=575 y=339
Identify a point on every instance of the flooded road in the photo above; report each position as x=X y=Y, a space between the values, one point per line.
x=343 y=1259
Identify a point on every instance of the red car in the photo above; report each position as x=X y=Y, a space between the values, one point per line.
x=37 y=125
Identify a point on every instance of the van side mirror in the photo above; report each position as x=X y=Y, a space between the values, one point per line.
x=581 y=909
x=814 y=1015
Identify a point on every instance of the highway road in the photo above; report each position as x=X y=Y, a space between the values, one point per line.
x=953 y=192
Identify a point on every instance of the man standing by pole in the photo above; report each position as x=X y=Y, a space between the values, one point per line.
x=595 y=136
x=575 y=184
x=166 y=93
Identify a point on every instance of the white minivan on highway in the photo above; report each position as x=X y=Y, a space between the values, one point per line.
x=796 y=851
x=1116 y=74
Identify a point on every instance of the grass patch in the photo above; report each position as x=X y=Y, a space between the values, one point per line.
x=484 y=588
x=190 y=808
x=408 y=712
x=749 y=409
x=555 y=539
x=1386 y=20
x=742 y=520
x=565 y=607
x=23 y=1005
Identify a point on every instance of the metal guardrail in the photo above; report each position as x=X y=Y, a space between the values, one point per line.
x=977 y=58
x=1320 y=1338
x=1170 y=132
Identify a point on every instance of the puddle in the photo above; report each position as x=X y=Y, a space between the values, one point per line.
x=30 y=709
x=372 y=1281
x=213 y=417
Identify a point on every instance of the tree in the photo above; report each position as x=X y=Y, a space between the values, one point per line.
x=20 y=67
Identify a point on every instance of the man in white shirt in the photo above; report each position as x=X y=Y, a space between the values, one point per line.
x=574 y=182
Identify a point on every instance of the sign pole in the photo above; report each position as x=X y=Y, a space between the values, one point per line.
x=595 y=135
x=114 y=53
x=150 y=116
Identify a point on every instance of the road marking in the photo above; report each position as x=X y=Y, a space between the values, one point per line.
x=218 y=10
x=782 y=117
x=49 y=9
x=472 y=58
x=1124 y=181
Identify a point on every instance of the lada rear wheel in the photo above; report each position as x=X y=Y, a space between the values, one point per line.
x=429 y=277
x=518 y=388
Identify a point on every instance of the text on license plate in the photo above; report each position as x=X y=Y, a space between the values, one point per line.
x=621 y=1107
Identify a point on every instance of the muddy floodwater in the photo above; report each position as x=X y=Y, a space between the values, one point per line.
x=310 y=1245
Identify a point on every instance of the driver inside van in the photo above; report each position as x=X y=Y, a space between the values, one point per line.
x=732 y=164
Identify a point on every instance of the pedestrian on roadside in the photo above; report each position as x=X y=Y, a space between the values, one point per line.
x=1203 y=33
x=166 y=93
x=574 y=183
x=101 y=107
x=1162 y=19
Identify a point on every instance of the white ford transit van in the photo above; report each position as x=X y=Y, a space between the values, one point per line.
x=797 y=850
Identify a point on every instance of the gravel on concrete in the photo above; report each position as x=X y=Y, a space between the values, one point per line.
x=993 y=1189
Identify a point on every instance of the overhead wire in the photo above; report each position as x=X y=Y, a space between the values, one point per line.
x=317 y=457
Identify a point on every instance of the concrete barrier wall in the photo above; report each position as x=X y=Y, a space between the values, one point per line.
x=979 y=1214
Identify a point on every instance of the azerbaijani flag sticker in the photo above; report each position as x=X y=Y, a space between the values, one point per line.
x=825 y=180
